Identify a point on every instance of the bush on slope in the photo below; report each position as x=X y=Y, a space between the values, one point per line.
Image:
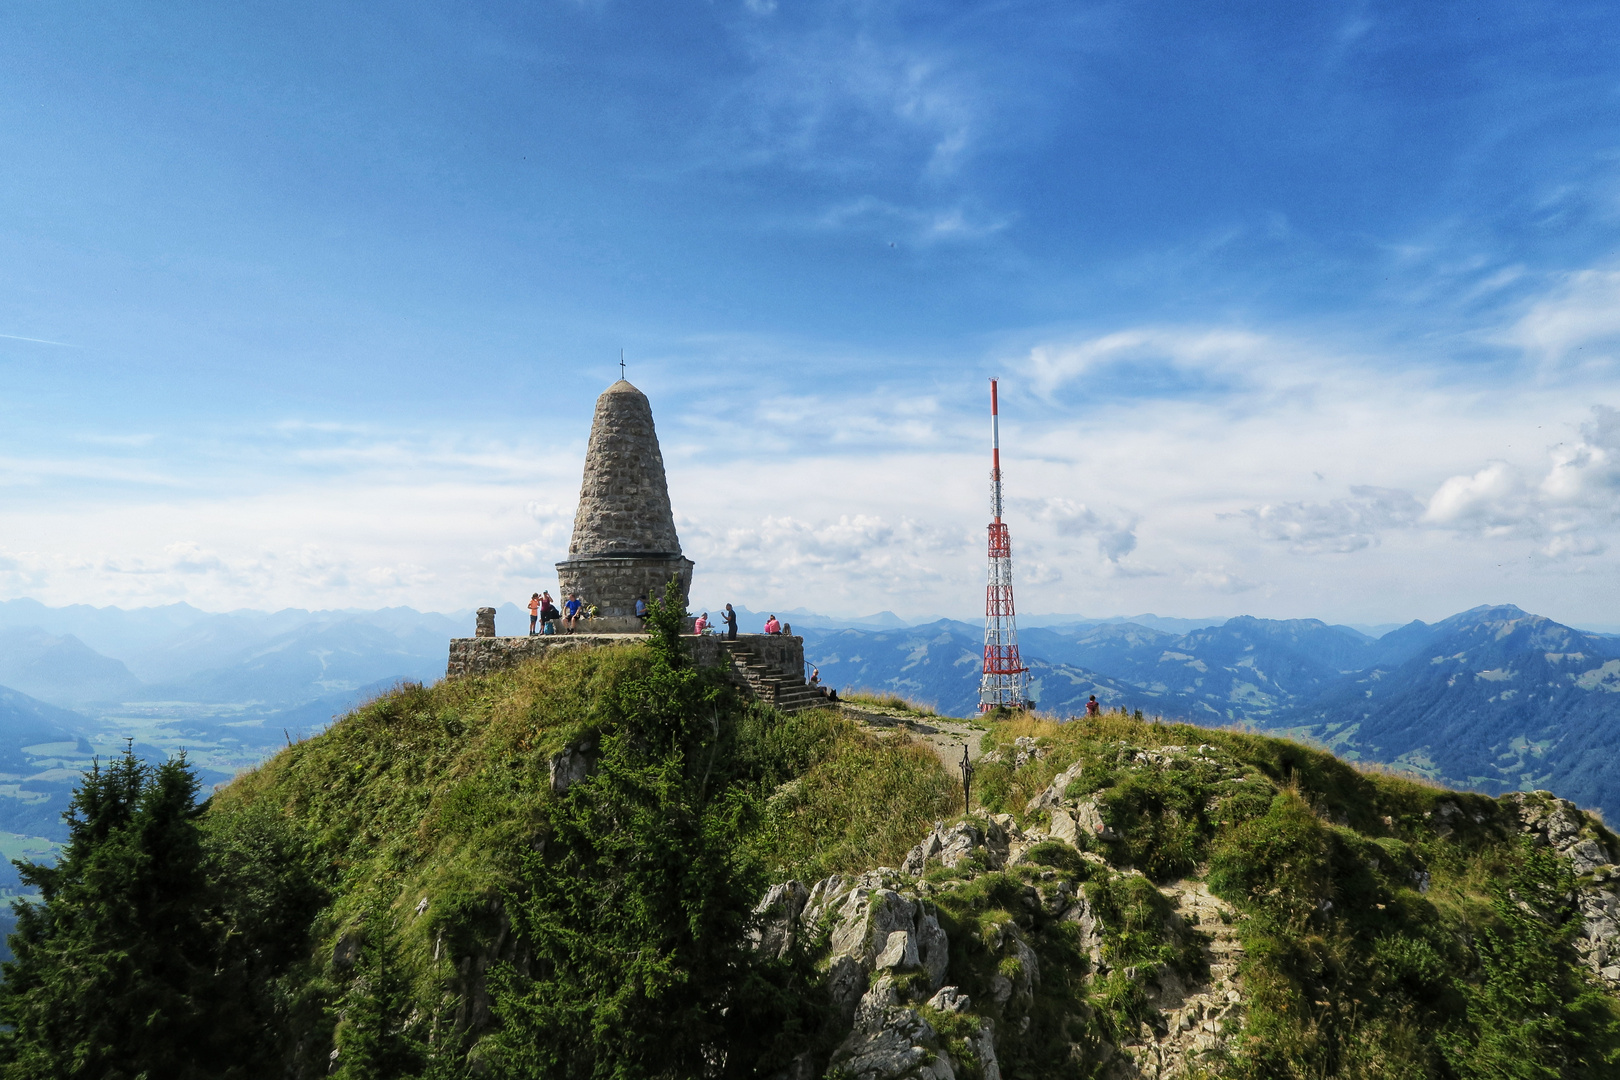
x=1390 y=927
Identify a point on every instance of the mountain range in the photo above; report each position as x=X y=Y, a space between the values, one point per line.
x=1493 y=698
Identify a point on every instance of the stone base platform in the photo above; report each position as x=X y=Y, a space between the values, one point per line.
x=779 y=653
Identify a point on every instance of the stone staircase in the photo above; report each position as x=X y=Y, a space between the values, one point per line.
x=787 y=691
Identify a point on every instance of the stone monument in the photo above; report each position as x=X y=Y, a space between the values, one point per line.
x=624 y=542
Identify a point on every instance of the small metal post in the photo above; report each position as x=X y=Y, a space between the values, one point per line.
x=967 y=781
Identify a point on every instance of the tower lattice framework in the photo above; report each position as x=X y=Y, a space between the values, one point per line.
x=1004 y=683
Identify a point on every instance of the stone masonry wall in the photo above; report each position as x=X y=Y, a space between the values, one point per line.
x=613 y=584
x=624 y=499
x=483 y=655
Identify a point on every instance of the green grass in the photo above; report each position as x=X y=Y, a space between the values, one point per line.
x=432 y=793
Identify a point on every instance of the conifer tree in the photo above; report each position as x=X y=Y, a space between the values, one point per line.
x=637 y=907
x=155 y=945
x=110 y=966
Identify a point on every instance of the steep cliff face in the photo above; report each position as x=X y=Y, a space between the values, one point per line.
x=1123 y=899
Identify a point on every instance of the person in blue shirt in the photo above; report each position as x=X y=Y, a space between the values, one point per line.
x=641 y=608
x=571 y=612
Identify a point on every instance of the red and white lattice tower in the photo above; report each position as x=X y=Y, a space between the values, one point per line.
x=1004 y=673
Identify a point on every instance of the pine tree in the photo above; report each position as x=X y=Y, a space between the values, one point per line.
x=636 y=908
x=1536 y=1014
x=136 y=963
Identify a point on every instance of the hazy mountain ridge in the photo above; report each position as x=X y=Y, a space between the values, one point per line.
x=1475 y=699
x=1492 y=698
x=61 y=668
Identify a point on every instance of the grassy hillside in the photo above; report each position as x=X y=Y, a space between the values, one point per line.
x=549 y=871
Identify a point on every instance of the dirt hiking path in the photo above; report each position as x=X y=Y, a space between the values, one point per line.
x=945 y=735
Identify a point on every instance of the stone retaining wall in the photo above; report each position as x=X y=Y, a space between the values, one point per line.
x=482 y=655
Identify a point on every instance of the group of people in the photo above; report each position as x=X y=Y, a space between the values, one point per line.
x=702 y=624
x=545 y=618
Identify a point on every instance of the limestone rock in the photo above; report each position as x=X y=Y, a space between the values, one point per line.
x=347 y=950
x=888 y=1041
x=953 y=846
x=933 y=948
x=572 y=764
x=779 y=913
x=899 y=953
x=1088 y=819
x=1198 y=1017
x=1560 y=824
x=1052 y=794
x=1026 y=750
x=1080 y=913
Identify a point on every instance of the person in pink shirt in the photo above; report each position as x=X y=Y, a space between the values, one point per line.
x=772 y=626
x=701 y=627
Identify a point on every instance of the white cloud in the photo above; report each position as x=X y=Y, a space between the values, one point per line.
x=1115 y=534
x=1500 y=500
x=1341 y=525
x=1496 y=499
x=1578 y=325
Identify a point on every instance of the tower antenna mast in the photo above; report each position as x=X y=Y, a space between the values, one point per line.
x=1005 y=676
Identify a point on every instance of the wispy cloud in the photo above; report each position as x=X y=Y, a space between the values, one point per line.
x=1576 y=326
x=38 y=341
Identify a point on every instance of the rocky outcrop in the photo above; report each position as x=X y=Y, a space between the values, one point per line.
x=875 y=928
x=986 y=838
x=885 y=956
x=572 y=764
x=889 y=1040
x=886 y=961
x=1572 y=833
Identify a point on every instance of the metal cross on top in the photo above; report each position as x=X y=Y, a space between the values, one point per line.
x=621 y=363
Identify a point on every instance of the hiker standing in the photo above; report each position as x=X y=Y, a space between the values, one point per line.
x=534 y=612
x=1092 y=708
x=731 y=623
x=641 y=609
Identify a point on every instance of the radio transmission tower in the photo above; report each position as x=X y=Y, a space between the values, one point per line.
x=1004 y=673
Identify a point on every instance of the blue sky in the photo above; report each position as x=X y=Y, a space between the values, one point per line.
x=1298 y=310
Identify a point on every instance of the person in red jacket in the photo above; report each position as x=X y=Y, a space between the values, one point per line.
x=1092 y=708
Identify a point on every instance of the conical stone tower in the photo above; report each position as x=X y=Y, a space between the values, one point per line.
x=624 y=542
